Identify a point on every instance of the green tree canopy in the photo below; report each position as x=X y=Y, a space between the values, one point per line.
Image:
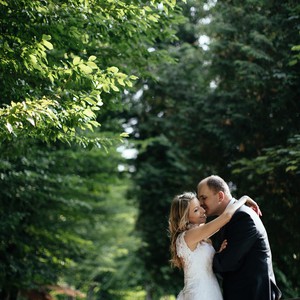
x=62 y=60
x=227 y=108
x=63 y=68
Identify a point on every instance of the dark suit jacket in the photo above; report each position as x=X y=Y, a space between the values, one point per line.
x=246 y=264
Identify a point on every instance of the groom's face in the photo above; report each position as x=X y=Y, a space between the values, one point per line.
x=209 y=200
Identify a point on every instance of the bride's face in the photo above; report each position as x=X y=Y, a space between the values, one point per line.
x=196 y=212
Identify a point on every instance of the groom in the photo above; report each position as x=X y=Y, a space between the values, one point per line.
x=246 y=263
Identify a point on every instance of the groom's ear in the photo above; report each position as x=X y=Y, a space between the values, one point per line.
x=221 y=196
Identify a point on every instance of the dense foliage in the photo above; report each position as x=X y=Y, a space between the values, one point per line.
x=230 y=107
x=75 y=73
x=62 y=60
x=63 y=67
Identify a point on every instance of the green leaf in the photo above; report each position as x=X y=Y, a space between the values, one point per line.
x=115 y=88
x=89 y=113
x=291 y=168
x=9 y=127
x=121 y=81
x=92 y=58
x=31 y=121
x=92 y=65
x=33 y=59
x=76 y=60
x=46 y=37
x=124 y=135
x=86 y=69
x=296 y=48
x=113 y=69
x=105 y=88
x=48 y=44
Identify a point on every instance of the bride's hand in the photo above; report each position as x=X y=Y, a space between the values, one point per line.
x=223 y=246
x=252 y=204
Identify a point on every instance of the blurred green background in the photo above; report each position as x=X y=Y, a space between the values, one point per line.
x=110 y=108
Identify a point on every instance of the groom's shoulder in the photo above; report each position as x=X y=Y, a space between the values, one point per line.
x=244 y=209
x=244 y=212
x=248 y=216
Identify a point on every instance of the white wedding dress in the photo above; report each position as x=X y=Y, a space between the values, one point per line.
x=200 y=283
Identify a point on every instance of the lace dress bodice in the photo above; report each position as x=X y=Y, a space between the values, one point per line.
x=200 y=282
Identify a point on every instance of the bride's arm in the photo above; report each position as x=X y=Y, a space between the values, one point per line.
x=252 y=204
x=204 y=231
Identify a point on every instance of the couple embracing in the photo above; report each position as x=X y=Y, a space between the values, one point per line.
x=242 y=256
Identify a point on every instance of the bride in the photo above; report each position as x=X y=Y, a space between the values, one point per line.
x=191 y=250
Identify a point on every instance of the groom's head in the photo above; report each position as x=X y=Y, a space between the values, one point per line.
x=214 y=195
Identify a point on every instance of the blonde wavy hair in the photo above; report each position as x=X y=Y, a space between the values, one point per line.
x=178 y=222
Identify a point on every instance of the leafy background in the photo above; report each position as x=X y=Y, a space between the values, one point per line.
x=191 y=88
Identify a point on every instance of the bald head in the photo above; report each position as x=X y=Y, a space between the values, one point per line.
x=216 y=184
x=214 y=194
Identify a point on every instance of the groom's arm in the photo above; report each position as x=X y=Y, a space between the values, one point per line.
x=241 y=234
